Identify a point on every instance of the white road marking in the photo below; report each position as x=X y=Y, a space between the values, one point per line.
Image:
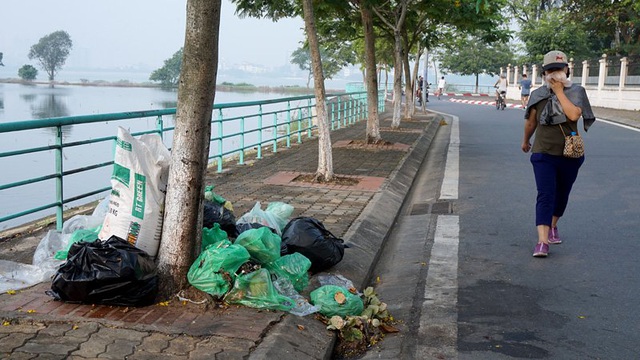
x=449 y=189
x=619 y=125
x=438 y=331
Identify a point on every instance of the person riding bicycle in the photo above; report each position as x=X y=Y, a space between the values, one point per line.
x=501 y=87
x=441 y=85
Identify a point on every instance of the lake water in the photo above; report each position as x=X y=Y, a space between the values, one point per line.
x=25 y=102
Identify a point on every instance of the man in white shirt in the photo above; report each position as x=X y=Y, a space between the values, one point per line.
x=501 y=86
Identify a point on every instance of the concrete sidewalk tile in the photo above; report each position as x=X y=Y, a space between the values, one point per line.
x=154 y=343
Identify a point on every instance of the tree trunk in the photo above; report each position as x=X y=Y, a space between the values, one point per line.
x=477 y=75
x=189 y=155
x=386 y=83
x=373 y=123
x=397 y=79
x=325 y=157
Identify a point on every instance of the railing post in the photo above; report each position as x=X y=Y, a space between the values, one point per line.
x=524 y=70
x=310 y=118
x=333 y=116
x=570 y=68
x=259 y=155
x=515 y=75
x=220 y=148
x=602 y=74
x=340 y=115
x=509 y=74
x=299 y=126
x=59 y=183
x=242 y=141
x=275 y=132
x=160 y=126
x=534 y=74
x=288 y=124
x=585 y=72
x=624 y=62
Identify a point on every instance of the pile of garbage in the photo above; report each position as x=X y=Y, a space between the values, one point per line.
x=263 y=259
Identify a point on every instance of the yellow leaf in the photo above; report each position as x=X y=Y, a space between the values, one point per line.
x=6 y=323
x=75 y=327
x=340 y=298
x=30 y=311
x=163 y=303
x=300 y=327
x=378 y=279
x=11 y=292
x=582 y=317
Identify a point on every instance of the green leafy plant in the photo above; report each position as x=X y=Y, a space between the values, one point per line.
x=357 y=333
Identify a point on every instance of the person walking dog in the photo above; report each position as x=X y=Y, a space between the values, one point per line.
x=553 y=111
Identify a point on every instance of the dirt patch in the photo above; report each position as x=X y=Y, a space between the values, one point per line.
x=336 y=180
x=378 y=142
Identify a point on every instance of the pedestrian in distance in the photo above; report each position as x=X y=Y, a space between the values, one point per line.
x=525 y=90
x=554 y=110
x=442 y=83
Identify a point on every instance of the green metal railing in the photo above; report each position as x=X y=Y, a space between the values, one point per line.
x=275 y=122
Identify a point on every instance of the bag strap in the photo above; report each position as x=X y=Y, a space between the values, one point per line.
x=565 y=135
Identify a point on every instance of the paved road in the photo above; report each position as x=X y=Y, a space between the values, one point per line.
x=479 y=294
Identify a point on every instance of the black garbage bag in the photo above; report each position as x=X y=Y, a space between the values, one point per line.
x=309 y=237
x=213 y=213
x=111 y=272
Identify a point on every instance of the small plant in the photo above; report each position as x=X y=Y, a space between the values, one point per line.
x=357 y=333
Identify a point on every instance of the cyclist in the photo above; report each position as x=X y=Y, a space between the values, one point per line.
x=501 y=87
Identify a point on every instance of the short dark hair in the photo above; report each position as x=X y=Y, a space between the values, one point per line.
x=524 y=75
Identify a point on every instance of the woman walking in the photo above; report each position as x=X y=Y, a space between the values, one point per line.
x=554 y=110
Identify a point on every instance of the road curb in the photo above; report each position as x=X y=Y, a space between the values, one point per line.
x=305 y=337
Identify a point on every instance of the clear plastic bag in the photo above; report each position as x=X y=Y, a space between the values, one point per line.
x=256 y=290
x=302 y=307
x=275 y=218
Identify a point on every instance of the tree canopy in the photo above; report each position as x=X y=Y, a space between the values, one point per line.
x=169 y=74
x=471 y=55
x=52 y=51
x=333 y=60
x=583 y=29
x=28 y=72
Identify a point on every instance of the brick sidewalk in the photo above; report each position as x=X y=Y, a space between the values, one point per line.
x=33 y=323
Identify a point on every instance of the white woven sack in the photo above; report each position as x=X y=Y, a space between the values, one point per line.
x=138 y=188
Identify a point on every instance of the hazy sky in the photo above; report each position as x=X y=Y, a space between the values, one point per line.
x=136 y=33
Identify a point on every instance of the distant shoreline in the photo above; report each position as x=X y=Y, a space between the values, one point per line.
x=225 y=86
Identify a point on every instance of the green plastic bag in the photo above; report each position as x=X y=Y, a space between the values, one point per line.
x=256 y=290
x=210 y=195
x=214 y=270
x=86 y=235
x=325 y=297
x=262 y=244
x=212 y=236
x=294 y=267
